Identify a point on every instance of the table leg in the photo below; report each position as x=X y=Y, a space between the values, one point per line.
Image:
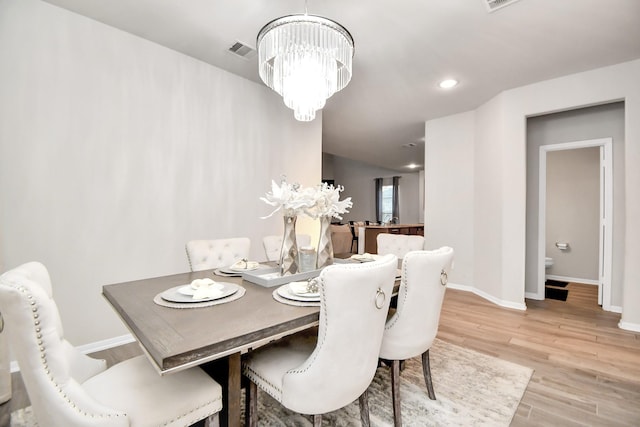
x=228 y=374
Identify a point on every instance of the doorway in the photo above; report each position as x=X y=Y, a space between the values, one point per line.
x=605 y=211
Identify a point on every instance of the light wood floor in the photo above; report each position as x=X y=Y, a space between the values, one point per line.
x=587 y=370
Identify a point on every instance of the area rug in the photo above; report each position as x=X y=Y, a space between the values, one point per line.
x=471 y=389
x=554 y=293
x=556 y=283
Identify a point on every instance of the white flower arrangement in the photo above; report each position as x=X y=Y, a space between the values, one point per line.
x=328 y=203
x=316 y=202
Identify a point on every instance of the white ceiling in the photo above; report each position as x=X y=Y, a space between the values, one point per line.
x=403 y=49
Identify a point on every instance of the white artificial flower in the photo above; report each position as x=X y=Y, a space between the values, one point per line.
x=287 y=197
x=328 y=203
x=316 y=202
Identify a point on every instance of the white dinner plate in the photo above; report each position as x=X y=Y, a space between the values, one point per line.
x=285 y=292
x=179 y=293
x=226 y=273
x=190 y=290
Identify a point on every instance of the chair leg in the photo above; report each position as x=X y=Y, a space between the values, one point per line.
x=363 y=400
x=212 y=421
x=251 y=405
x=395 y=393
x=426 y=369
x=317 y=420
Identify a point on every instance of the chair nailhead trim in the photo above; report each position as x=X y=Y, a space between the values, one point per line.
x=189 y=258
x=252 y=375
x=321 y=339
x=63 y=395
x=43 y=354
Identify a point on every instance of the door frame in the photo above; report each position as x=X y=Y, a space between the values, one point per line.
x=606 y=214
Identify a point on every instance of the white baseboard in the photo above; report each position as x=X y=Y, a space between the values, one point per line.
x=613 y=308
x=497 y=301
x=572 y=279
x=465 y=288
x=106 y=344
x=533 y=295
x=93 y=347
x=635 y=327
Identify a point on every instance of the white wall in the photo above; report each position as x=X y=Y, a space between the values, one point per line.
x=358 y=181
x=449 y=159
x=114 y=151
x=500 y=180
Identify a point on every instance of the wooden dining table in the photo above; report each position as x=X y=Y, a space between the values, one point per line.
x=214 y=337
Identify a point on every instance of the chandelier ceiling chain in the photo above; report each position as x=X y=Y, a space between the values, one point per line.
x=305 y=59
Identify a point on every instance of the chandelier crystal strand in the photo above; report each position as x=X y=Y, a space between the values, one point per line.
x=305 y=59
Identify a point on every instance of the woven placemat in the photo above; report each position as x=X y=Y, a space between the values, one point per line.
x=283 y=300
x=237 y=295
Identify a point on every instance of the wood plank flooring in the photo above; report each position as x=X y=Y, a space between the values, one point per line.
x=587 y=370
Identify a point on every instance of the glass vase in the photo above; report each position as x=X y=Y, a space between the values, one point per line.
x=325 y=245
x=289 y=250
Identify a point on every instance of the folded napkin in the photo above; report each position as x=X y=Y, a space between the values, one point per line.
x=206 y=288
x=243 y=264
x=305 y=287
x=363 y=257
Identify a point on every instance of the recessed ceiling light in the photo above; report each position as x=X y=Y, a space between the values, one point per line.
x=448 y=83
x=412 y=166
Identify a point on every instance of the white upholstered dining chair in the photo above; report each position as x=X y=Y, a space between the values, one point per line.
x=410 y=331
x=315 y=374
x=398 y=244
x=67 y=388
x=273 y=245
x=215 y=253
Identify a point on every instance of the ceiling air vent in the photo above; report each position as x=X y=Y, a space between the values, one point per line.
x=493 y=5
x=242 y=50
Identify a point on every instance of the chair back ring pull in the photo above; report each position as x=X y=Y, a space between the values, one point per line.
x=380 y=298
x=444 y=278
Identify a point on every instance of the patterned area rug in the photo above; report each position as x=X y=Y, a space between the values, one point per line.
x=471 y=389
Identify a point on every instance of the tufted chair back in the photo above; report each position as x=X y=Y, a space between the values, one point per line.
x=413 y=327
x=69 y=389
x=209 y=254
x=354 y=306
x=273 y=245
x=399 y=244
x=52 y=369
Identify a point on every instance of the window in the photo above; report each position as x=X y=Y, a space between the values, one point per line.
x=387 y=203
x=387 y=206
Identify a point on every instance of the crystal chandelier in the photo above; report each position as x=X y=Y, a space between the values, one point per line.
x=306 y=59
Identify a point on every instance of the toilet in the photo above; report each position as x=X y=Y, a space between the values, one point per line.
x=548 y=262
